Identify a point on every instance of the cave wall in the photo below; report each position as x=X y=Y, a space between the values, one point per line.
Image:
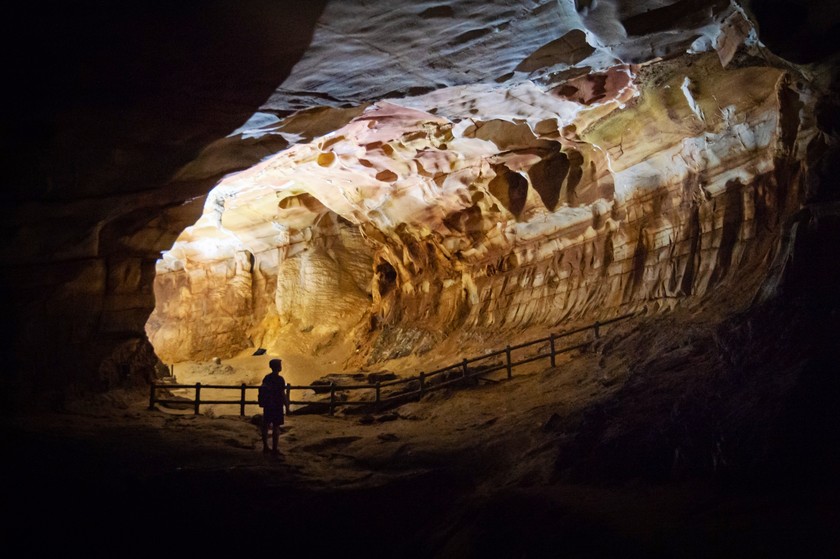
x=635 y=188
x=108 y=104
x=116 y=144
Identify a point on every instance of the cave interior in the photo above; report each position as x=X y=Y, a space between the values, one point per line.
x=374 y=189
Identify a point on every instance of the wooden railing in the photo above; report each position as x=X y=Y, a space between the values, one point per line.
x=393 y=391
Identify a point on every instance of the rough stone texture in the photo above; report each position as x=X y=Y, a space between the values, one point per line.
x=108 y=177
x=480 y=210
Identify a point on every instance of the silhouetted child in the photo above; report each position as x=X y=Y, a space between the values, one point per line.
x=272 y=398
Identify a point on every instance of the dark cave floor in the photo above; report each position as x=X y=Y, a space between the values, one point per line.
x=680 y=435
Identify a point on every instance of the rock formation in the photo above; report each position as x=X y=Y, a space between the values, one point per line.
x=473 y=213
x=485 y=171
x=390 y=185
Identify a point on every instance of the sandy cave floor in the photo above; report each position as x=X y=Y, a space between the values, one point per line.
x=494 y=469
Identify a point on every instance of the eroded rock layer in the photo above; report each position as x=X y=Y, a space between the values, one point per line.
x=478 y=211
x=116 y=143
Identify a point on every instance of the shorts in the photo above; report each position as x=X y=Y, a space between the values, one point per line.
x=275 y=417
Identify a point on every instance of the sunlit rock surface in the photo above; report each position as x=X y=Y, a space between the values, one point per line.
x=481 y=211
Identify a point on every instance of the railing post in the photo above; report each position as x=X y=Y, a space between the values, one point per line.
x=596 y=326
x=289 y=398
x=197 y=396
x=553 y=354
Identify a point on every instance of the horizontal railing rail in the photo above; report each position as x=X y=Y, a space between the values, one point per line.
x=417 y=385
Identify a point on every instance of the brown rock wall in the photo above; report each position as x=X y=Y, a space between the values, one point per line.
x=645 y=200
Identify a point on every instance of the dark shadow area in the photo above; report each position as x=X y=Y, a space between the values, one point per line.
x=547 y=177
x=569 y=49
x=113 y=503
x=114 y=97
x=802 y=31
x=511 y=189
x=104 y=100
x=682 y=13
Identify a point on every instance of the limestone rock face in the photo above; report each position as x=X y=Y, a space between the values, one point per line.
x=480 y=212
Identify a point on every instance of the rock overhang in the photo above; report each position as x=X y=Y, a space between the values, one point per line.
x=93 y=248
x=443 y=194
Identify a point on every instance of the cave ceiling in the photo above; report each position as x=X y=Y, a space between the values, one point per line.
x=375 y=181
